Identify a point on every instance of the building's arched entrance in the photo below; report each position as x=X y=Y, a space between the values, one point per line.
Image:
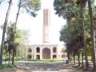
x=46 y=53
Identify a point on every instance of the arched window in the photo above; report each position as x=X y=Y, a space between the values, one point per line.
x=38 y=57
x=46 y=53
x=54 y=56
x=29 y=56
x=38 y=49
x=54 y=49
x=29 y=50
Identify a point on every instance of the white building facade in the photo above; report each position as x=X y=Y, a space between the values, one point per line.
x=45 y=50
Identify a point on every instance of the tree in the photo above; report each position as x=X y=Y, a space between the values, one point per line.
x=82 y=4
x=12 y=42
x=92 y=27
x=4 y=30
x=1 y=1
x=73 y=39
x=67 y=9
x=30 y=5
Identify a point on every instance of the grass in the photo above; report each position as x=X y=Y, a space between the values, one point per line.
x=50 y=61
x=3 y=66
x=45 y=61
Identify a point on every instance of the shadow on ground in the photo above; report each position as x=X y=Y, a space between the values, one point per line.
x=28 y=67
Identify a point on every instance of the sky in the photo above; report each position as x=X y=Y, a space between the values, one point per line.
x=33 y=25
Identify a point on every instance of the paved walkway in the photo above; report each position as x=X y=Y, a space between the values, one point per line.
x=56 y=67
x=59 y=67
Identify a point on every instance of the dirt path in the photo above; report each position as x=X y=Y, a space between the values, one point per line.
x=42 y=68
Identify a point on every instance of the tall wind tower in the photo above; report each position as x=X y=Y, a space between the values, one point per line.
x=45 y=25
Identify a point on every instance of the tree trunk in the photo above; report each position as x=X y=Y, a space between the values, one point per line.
x=78 y=59
x=74 y=58
x=9 y=57
x=82 y=59
x=92 y=34
x=4 y=30
x=68 y=56
x=19 y=6
x=17 y=15
x=83 y=33
x=68 y=52
x=13 y=55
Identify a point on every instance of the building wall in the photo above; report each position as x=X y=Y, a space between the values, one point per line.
x=58 y=54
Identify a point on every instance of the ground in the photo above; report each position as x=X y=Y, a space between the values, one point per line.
x=58 y=67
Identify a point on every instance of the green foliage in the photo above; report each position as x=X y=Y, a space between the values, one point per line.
x=65 y=35
x=31 y=6
x=13 y=40
x=3 y=66
x=20 y=36
x=72 y=33
x=36 y=4
x=66 y=10
x=1 y=1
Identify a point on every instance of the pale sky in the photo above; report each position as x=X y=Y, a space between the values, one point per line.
x=34 y=26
